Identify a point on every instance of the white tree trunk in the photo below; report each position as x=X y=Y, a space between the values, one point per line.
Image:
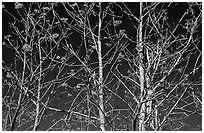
x=141 y=69
x=38 y=93
x=101 y=106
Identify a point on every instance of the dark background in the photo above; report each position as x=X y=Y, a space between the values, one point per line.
x=174 y=14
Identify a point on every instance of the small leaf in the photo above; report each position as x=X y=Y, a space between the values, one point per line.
x=63 y=59
x=43 y=58
x=94 y=13
x=58 y=57
x=90 y=41
x=46 y=8
x=122 y=32
x=90 y=51
x=64 y=19
x=117 y=23
x=48 y=21
x=80 y=85
x=64 y=84
x=72 y=71
x=36 y=11
x=57 y=22
x=27 y=47
x=7 y=37
x=55 y=35
x=94 y=47
x=121 y=55
x=18 y=5
x=93 y=92
x=9 y=75
x=69 y=95
x=73 y=5
x=85 y=111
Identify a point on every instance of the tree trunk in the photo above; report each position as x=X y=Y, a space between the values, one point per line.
x=141 y=70
x=101 y=106
x=20 y=95
x=38 y=93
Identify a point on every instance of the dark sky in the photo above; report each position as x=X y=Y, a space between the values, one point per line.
x=62 y=100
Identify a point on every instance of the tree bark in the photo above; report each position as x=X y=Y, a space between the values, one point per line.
x=101 y=105
x=36 y=123
x=20 y=95
x=141 y=71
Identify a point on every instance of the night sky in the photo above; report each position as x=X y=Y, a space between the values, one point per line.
x=64 y=95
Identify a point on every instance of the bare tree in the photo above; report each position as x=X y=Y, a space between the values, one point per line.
x=159 y=60
x=77 y=67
